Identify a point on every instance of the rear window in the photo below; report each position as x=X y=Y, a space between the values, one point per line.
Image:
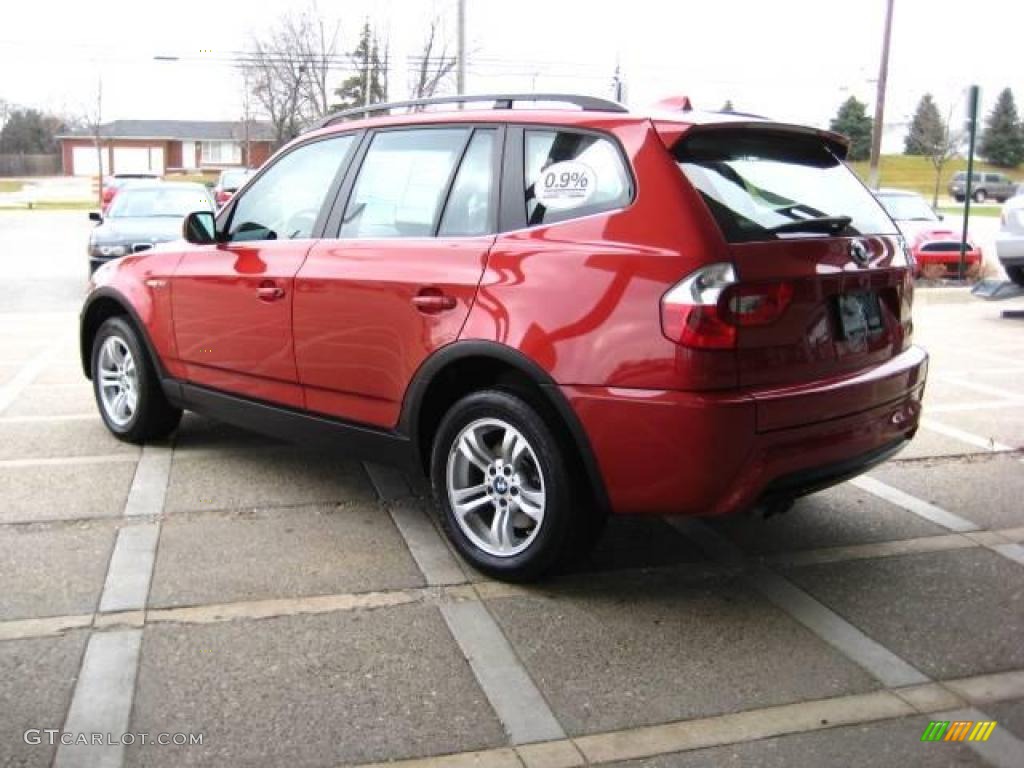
x=159 y=201
x=234 y=179
x=766 y=186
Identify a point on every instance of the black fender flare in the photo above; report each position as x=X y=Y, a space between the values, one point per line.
x=409 y=418
x=85 y=345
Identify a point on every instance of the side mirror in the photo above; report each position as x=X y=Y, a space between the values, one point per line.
x=200 y=228
x=95 y=216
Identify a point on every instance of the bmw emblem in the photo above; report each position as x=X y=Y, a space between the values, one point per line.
x=859 y=253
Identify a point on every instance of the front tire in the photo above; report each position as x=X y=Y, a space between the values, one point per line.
x=126 y=386
x=980 y=196
x=1016 y=274
x=503 y=486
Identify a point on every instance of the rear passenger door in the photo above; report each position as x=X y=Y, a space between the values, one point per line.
x=398 y=268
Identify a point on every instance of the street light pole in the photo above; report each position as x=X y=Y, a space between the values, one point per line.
x=972 y=126
x=99 y=143
x=883 y=71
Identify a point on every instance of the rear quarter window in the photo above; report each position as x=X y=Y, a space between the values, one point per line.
x=568 y=174
x=769 y=186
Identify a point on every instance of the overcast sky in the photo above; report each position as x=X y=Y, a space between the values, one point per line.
x=794 y=60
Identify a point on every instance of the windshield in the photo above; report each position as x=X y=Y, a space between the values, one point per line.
x=907 y=208
x=768 y=186
x=163 y=201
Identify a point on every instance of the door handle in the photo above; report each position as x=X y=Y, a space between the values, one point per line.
x=433 y=302
x=270 y=292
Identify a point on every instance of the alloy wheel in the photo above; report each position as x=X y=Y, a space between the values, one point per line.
x=495 y=487
x=118 y=381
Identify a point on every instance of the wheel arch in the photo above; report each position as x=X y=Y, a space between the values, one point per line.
x=101 y=305
x=465 y=366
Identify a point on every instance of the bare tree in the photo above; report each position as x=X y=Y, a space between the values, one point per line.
x=939 y=144
x=287 y=70
x=435 y=64
x=317 y=43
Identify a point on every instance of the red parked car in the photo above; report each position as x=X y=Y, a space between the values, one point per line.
x=555 y=313
x=931 y=241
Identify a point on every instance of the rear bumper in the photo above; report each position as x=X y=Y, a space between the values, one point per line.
x=663 y=452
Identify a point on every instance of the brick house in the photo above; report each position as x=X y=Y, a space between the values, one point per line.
x=164 y=146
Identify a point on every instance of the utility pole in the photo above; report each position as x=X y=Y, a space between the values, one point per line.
x=460 y=70
x=366 y=66
x=883 y=72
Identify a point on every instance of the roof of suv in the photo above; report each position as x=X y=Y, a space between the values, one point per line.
x=671 y=117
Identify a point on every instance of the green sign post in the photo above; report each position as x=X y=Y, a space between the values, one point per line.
x=972 y=128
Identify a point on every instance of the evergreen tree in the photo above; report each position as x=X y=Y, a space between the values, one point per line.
x=367 y=54
x=29 y=131
x=853 y=122
x=1002 y=143
x=927 y=130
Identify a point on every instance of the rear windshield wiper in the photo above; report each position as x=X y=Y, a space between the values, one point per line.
x=829 y=224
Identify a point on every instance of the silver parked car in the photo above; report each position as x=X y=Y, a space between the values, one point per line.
x=1010 y=240
x=997 y=186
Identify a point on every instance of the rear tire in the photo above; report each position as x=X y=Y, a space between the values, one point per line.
x=126 y=385
x=503 y=486
x=1016 y=274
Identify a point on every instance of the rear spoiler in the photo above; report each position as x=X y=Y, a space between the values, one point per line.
x=672 y=130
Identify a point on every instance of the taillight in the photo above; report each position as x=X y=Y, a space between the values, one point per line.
x=706 y=308
x=689 y=311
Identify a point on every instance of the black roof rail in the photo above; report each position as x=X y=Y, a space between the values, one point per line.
x=501 y=101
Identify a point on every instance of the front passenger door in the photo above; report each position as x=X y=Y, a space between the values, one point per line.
x=232 y=301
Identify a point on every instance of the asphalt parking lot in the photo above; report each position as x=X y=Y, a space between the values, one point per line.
x=297 y=608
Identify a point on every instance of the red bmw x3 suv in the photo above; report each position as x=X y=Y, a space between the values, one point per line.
x=555 y=313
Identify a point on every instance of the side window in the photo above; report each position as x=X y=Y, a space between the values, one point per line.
x=283 y=203
x=992 y=178
x=468 y=210
x=569 y=174
x=402 y=183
